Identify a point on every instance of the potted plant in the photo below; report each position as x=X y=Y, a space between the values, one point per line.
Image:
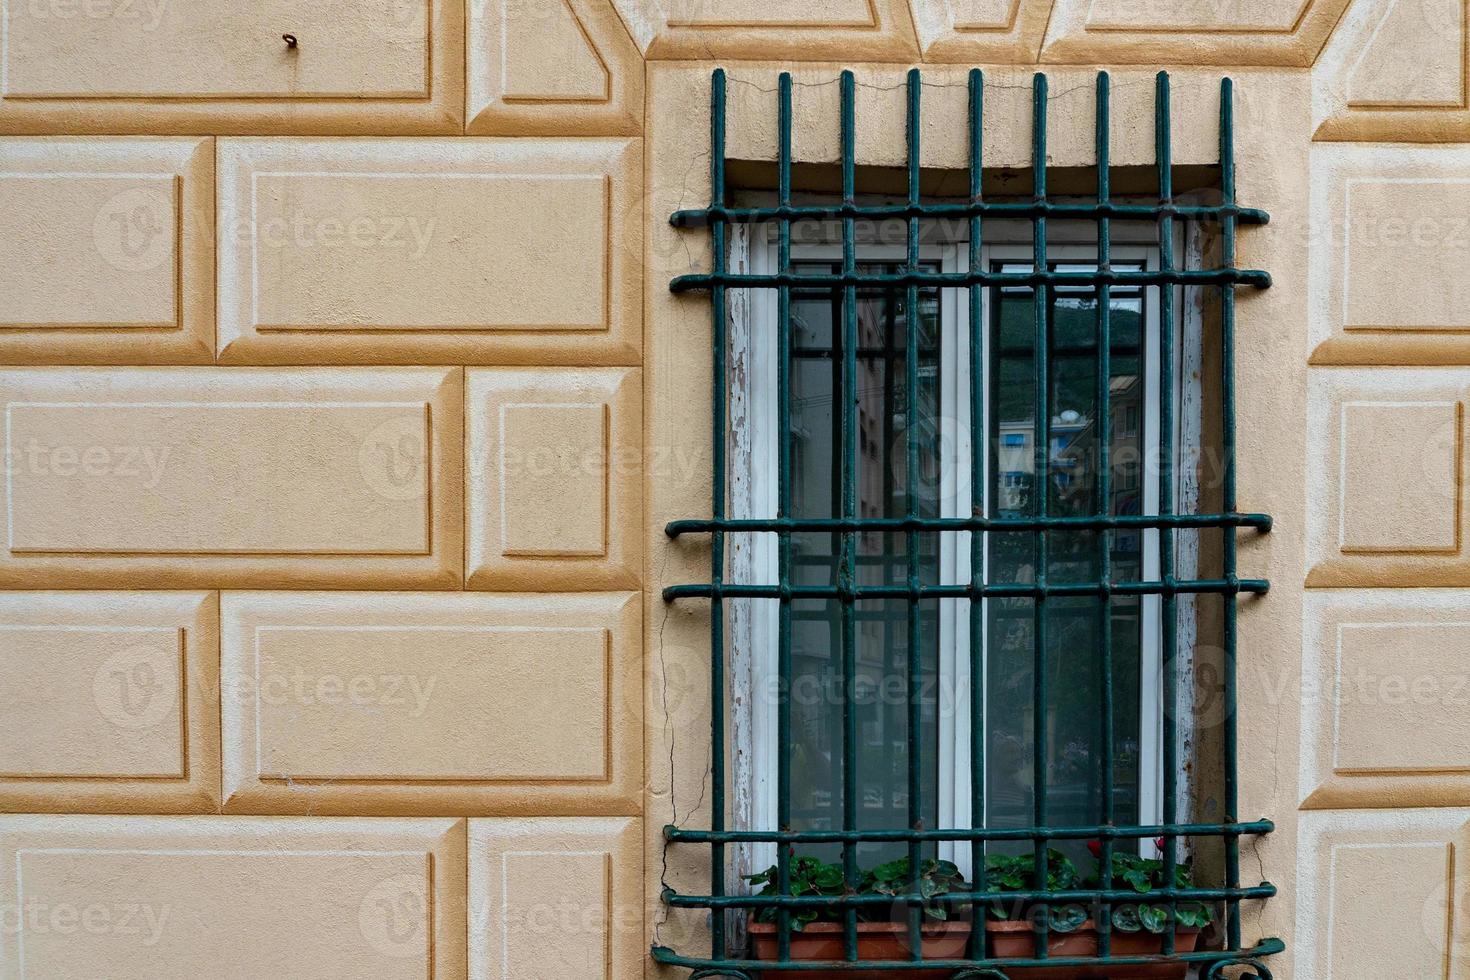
x=817 y=933
x=1137 y=927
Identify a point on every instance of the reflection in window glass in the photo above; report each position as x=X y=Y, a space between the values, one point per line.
x=1070 y=483
x=817 y=353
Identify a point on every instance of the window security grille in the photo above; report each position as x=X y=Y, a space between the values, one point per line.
x=978 y=959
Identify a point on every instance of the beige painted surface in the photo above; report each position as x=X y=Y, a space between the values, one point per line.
x=1384 y=696
x=559 y=67
x=109 y=701
x=1364 y=87
x=855 y=30
x=1213 y=32
x=552 y=485
x=1387 y=465
x=340 y=250
x=555 y=898
x=244 y=477
x=1390 y=238
x=242 y=353
x=213 y=66
x=1382 y=894
x=416 y=703
x=277 y=897
x=107 y=250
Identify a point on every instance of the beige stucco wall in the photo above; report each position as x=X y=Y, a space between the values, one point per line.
x=346 y=402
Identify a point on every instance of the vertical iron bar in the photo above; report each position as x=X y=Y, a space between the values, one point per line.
x=1041 y=295
x=979 y=439
x=717 y=503
x=1227 y=401
x=911 y=509
x=784 y=509
x=847 y=576
x=1104 y=915
x=1169 y=626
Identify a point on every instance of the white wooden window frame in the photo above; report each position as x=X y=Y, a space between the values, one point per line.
x=753 y=494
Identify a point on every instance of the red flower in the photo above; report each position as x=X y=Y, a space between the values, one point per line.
x=1096 y=848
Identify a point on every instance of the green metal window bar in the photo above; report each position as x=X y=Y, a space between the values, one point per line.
x=980 y=963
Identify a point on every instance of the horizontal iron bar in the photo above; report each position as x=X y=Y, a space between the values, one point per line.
x=1266 y=947
x=1004 y=590
x=1097 y=522
x=1143 y=832
x=975 y=277
x=1070 y=896
x=702 y=217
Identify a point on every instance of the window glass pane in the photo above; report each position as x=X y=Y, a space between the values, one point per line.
x=882 y=624
x=1070 y=483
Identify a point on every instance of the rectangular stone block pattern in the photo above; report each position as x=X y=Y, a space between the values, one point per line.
x=212 y=896
x=380 y=49
x=1195 y=32
x=1386 y=683
x=555 y=898
x=63 y=669
x=1386 y=468
x=105 y=295
x=341 y=251
x=1389 y=237
x=798 y=30
x=107 y=701
x=1395 y=496
x=107 y=250
x=213 y=476
x=1379 y=894
x=554 y=478
x=1386 y=731
x=419 y=703
x=554 y=510
x=567 y=68
x=1400 y=265
x=786 y=13
x=315 y=501
x=222 y=67
x=1242 y=16
x=983 y=15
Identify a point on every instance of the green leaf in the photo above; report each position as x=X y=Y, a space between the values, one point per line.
x=1155 y=918
x=1066 y=918
x=1126 y=919
x=948 y=869
x=1193 y=914
x=892 y=871
x=828 y=876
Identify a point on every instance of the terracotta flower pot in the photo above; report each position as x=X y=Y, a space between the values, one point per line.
x=876 y=941
x=1016 y=940
x=949 y=941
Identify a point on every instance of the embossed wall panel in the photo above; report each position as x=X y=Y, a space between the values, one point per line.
x=553 y=479
x=341 y=251
x=216 y=476
x=365 y=703
x=555 y=898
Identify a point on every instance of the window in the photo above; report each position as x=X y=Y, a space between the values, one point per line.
x=1008 y=470
x=963 y=464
